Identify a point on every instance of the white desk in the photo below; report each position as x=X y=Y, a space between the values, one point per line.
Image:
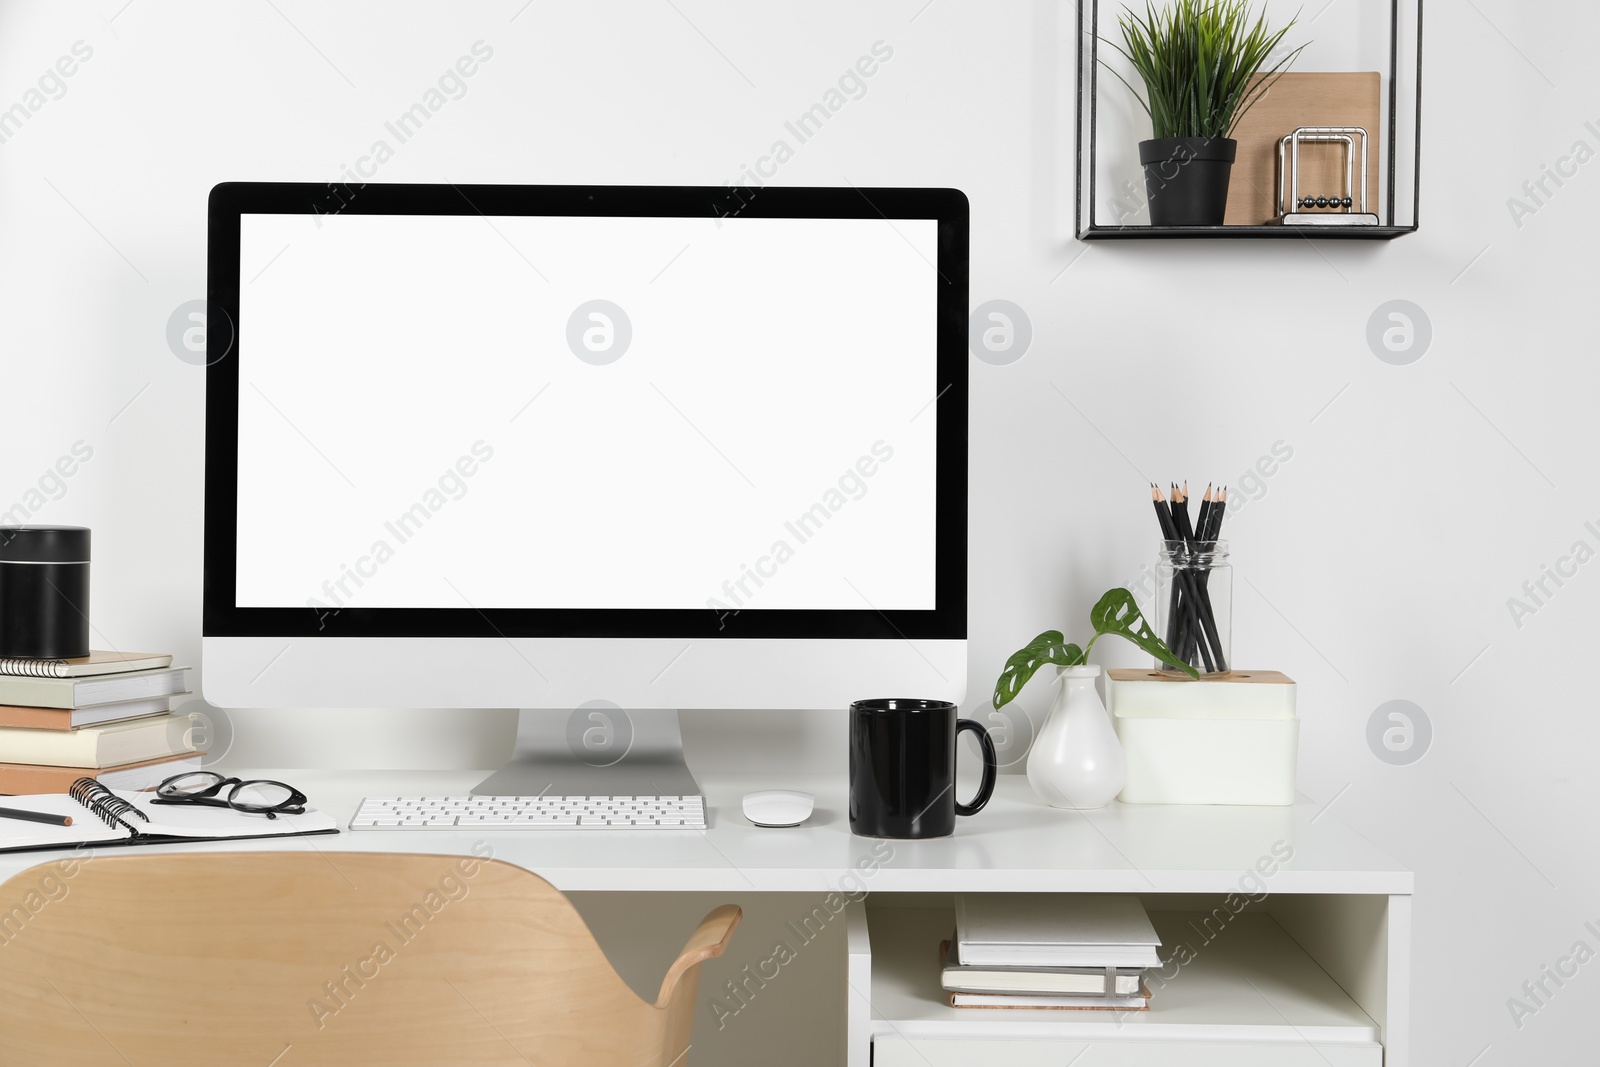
x=1334 y=988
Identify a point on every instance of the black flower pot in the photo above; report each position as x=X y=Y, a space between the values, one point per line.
x=1186 y=179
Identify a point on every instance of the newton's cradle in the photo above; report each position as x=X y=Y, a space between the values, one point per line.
x=1322 y=209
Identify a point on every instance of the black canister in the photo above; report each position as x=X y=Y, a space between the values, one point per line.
x=44 y=592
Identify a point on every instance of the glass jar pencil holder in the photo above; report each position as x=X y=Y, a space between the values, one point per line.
x=1194 y=605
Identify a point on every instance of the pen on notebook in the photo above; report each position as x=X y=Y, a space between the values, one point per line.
x=35 y=816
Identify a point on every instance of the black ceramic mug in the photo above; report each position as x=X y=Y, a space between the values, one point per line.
x=903 y=768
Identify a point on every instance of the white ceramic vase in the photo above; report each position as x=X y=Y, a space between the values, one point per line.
x=1076 y=761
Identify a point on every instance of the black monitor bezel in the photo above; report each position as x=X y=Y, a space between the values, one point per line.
x=222 y=617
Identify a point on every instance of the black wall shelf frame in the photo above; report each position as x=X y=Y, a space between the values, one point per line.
x=1404 y=91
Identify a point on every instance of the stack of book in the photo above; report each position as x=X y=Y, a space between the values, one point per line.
x=1027 y=950
x=107 y=715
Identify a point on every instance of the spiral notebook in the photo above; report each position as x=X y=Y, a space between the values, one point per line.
x=102 y=816
x=85 y=666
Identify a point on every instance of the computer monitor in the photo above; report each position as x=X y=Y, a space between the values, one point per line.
x=593 y=452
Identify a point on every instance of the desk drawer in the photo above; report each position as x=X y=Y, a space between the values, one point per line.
x=895 y=1051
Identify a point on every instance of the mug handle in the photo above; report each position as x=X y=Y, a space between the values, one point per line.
x=991 y=767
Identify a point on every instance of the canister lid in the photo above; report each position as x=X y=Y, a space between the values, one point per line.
x=44 y=544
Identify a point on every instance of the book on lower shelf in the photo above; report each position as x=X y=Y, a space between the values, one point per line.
x=1096 y=930
x=1018 y=1000
x=1059 y=988
x=959 y=976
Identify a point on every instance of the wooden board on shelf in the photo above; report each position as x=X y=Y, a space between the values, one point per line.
x=1304 y=99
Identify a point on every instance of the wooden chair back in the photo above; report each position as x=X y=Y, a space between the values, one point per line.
x=304 y=958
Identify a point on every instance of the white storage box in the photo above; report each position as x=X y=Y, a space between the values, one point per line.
x=1232 y=740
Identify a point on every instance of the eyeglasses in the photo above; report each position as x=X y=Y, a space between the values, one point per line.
x=257 y=796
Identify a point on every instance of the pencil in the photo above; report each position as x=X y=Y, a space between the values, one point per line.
x=1182 y=588
x=1182 y=601
x=1209 y=529
x=1180 y=512
x=1201 y=525
x=1193 y=632
x=35 y=816
x=1203 y=636
x=1177 y=609
x=1217 y=511
x=1163 y=516
x=1168 y=533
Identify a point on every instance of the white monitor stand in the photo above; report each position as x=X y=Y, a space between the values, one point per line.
x=598 y=751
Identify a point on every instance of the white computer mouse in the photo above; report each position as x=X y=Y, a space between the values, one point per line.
x=778 y=807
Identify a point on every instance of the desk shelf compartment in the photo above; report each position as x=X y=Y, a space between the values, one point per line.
x=1248 y=995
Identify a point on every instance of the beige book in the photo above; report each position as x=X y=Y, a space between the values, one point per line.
x=108 y=745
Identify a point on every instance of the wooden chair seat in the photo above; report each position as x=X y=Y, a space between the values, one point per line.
x=301 y=958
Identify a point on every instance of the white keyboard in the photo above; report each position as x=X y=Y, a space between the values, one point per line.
x=530 y=813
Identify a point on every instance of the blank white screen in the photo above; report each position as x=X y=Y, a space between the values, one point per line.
x=418 y=368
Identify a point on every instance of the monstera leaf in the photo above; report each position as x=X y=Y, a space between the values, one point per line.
x=1115 y=613
x=1049 y=647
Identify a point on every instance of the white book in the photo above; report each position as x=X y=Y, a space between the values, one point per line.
x=959 y=976
x=1013 y=1000
x=1055 y=930
x=96 y=689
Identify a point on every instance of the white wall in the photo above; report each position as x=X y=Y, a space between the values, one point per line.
x=1375 y=565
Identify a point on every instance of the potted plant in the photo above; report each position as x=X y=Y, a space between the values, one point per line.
x=1076 y=761
x=1198 y=60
